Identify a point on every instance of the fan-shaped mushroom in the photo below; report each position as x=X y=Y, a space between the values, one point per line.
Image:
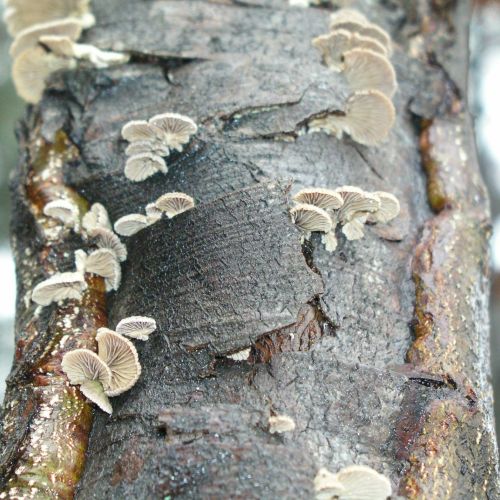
x=311 y=218
x=63 y=210
x=60 y=286
x=177 y=129
x=130 y=224
x=327 y=199
x=141 y=166
x=105 y=238
x=173 y=204
x=136 y=327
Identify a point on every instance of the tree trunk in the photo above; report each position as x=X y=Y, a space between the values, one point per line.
x=379 y=351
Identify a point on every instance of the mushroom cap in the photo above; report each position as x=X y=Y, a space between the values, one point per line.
x=140 y=130
x=177 y=129
x=375 y=32
x=28 y=38
x=103 y=262
x=80 y=261
x=130 y=224
x=327 y=199
x=281 y=423
x=83 y=365
x=173 y=204
x=153 y=213
x=105 y=238
x=311 y=218
x=327 y=486
x=96 y=217
x=330 y=241
x=242 y=355
x=32 y=68
x=353 y=230
x=389 y=208
x=347 y=15
x=356 y=203
x=360 y=481
x=365 y=69
x=369 y=116
x=64 y=210
x=141 y=166
x=121 y=357
x=94 y=390
x=139 y=147
x=60 y=286
x=136 y=327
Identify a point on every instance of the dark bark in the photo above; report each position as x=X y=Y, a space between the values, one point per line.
x=378 y=351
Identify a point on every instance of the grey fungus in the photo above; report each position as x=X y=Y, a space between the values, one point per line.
x=94 y=390
x=106 y=238
x=327 y=199
x=60 y=286
x=281 y=423
x=121 y=357
x=389 y=208
x=143 y=165
x=355 y=481
x=356 y=203
x=173 y=204
x=63 y=210
x=139 y=130
x=330 y=241
x=96 y=217
x=176 y=129
x=149 y=146
x=310 y=218
x=103 y=262
x=136 y=327
x=153 y=213
x=131 y=224
x=353 y=230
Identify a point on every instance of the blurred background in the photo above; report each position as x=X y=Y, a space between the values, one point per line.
x=484 y=100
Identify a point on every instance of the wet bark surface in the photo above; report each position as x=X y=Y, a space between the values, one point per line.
x=379 y=351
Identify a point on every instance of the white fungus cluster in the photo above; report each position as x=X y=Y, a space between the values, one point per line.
x=45 y=34
x=115 y=368
x=152 y=140
x=322 y=210
x=360 y=51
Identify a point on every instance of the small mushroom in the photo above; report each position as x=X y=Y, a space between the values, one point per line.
x=96 y=217
x=389 y=208
x=310 y=218
x=345 y=16
x=153 y=213
x=281 y=423
x=103 y=262
x=83 y=367
x=60 y=286
x=242 y=355
x=130 y=224
x=353 y=230
x=80 y=261
x=177 y=129
x=330 y=241
x=355 y=481
x=140 y=130
x=63 y=210
x=141 y=166
x=356 y=203
x=367 y=70
x=173 y=204
x=32 y=68
x=121 y=357
x=327 y=199
x=105 y=238
x=140 y=147
x=136 y=327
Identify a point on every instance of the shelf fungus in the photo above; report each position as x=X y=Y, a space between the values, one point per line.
x=311 y=218
x=173 y=204
x=84 y=368
x=21 y=14
x=176 y=129
x=102 y=262
x=106 y=238
x=353 y=482
x=388 y=210
x=63 y=210
x=130 y=224
x=121 y=357
x=327 y=199
x=141 y=166
x=153 y=213
x=281 y=423
x=60 y=286
x=96 y=217
x=136 y=327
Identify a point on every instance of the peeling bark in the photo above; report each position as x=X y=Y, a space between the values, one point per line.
x=379 y=351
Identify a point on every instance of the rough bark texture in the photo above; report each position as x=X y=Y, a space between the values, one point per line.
x=379 y=351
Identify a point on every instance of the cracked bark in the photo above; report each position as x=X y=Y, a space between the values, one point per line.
x=379 y=351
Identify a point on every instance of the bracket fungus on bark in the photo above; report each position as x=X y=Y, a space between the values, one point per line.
x=311 y=218
x=136 y=327
x=63 y=210
x=143 y=165
x=281 y=423
x=60 y=286
x=352 y=482
x=106 y=238
x=173 y=204
x=103 y=262
x=84 y=368
x=96 y=217
x=131 y=224
x=327 y=199
x=176 y=129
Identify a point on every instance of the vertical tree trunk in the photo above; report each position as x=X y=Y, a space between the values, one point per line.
x=379 y=351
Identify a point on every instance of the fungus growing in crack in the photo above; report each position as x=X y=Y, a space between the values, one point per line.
x=367 y=70
x=140 y=147
x=104 y=263
x=60 y=286
x=31 y=70
x=355 y=481
x=136 y=327
x=333 y=46
x=130 y=224
x=96 y=217
x=21 y=14
x=173 y=204
x=63 y=210
x=153 y=213
x=368 y=117
x=242 y=355
x=65 y=46
x=389 y=208
x=105 y=238
x=84 y=368
x=310 y=218
x=281 y=423
x=177 y=129
x=141 y=166
x=327 y=199
x=121 y=357
x=29 y=38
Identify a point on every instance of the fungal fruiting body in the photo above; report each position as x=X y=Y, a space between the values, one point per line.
x=242 y=355
x=152 y=140
x=60 y=286
x=96 y=217
x=353 y=482
x=136 y=327
x=63 y=210
x=104 y=263
x=281 y=423
x=106 y=238
x=311 y=218
x=172 y=204
x=130 y=224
